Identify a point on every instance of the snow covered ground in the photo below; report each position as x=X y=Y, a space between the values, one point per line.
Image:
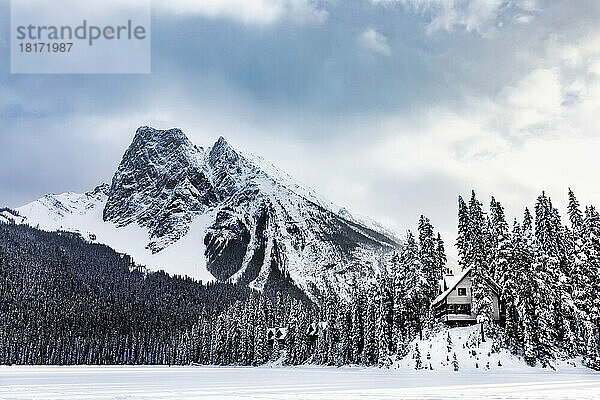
x=483 y=373
x=438 y=352
x=145 y=382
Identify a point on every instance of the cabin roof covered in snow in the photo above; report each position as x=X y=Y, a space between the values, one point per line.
x=452 y=285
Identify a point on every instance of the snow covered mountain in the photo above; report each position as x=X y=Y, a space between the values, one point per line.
x=218 y=213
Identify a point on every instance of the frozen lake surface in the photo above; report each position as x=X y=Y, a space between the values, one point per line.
x=146 y=382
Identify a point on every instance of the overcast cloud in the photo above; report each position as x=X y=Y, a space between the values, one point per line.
x=388 y=107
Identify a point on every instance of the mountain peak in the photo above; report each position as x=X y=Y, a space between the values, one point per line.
x=222 y=146
x=159 y=184
x=146 y=134
x=223 y=153
x=221 y=142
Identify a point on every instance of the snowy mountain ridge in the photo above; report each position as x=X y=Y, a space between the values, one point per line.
x=218 y=213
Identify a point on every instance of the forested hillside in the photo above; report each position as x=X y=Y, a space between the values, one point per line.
x=66 y=301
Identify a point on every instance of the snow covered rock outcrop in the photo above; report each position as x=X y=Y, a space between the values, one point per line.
x=160 y=184
x=219 y=213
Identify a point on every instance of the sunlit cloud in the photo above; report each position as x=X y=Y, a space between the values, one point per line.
x=374 y=41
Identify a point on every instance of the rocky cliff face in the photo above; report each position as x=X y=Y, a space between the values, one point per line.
x=263 y=228
x=160 y=184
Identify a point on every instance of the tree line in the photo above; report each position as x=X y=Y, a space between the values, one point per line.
x=67 y=301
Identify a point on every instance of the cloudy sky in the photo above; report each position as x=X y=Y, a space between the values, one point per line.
x=391 y=108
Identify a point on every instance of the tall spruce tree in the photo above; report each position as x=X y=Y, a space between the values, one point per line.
x=580 y=283
x=429 y=257
x=547 y=273
x=591 y=269
x=442 y=260
x=332 y=331
x=525 y=256
x=416 y=299
x=356 y=335
x=399 y=298
x=462 y=240
x=510 y=283
x=575 y=214
x=369 y=354
x=384 y=320
x=476 y=259
x=500 y=243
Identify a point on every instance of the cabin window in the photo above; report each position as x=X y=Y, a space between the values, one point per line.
x=462 y=291
x=463 y=309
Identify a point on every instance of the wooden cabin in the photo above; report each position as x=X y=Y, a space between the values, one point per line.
x=278 y=333
x=453 y=305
